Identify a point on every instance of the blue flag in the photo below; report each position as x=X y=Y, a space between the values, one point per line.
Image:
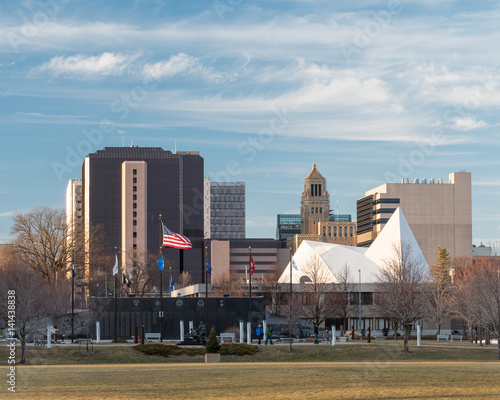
x=73 y=268
x=171 y=283
x=209 y=266
x=160 y=263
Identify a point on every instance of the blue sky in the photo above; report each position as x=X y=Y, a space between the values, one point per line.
x=371 y=91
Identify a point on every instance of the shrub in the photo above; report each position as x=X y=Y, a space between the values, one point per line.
x=238 y=349
x=213 y=345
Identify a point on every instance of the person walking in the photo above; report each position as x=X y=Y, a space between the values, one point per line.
x=316 y=334
x=269 y=334
x=259 y=332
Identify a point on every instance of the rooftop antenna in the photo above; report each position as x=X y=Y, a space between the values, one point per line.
x=175 y=148
x=131 y=143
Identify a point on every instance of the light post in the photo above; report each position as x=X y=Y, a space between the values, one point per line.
x=360 y=331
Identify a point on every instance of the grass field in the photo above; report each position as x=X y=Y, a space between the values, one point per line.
x=378 y=370
x=393 y=380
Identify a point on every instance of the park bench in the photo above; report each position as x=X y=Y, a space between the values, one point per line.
x=286 y=340
x=227 y=336
x=342 y=339
x=442 y=337
x=457 y=337
x=326 y=338
x=152 y=336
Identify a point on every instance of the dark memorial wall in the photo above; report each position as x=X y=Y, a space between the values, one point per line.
x=223 y=313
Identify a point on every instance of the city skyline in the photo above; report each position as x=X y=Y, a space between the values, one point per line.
x=370 y=91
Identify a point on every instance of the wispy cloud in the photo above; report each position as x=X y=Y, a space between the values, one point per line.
x=468 y=123
x=7 y=214
x=85 y=66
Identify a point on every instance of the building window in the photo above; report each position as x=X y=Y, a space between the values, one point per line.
x=135 y=234
x=135 y=180
x=135 y=205
x=134 y=214
x=335 y=231
x=312 y=190
x=312 y=210
x=329 y=231
x=135 y=188
x=352 y=231
x=340 y=231
x=134 y=172
x=321 y=210
x=345 y=232
x=319 y=191
x=324 y=231
x=135 y=197
x=316 y=210
x=135 y=222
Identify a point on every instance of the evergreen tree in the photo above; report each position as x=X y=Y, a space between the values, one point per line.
x=213 y=345
x=440 y=270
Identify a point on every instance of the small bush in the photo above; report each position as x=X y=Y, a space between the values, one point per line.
x=238 y=349
x=168 y=350
x=213 y=345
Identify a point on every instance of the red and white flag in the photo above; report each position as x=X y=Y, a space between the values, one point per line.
x=252 y=265
x=171 y=239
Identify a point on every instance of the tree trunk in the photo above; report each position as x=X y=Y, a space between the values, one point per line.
x=438 y=329
x=480 y=337
x=395 y=327
x=499 y=348
x=406 y=333
x=23 y=349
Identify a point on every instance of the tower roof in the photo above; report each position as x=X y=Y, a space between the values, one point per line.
x=314 y=173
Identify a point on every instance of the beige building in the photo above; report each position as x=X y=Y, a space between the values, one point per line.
x=317 y=224
x=439 y=214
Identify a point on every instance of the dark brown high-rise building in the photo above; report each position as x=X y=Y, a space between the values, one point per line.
x=125 y=189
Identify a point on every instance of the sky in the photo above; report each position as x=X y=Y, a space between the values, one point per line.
x=371 y=91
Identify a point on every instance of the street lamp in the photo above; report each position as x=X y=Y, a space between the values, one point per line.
x=359 y=303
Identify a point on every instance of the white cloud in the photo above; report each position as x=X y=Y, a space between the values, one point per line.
x=468 y=123
x=106 y=64
x=178 y=64
x=7 y=214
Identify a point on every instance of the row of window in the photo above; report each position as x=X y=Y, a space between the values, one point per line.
x=320 y=210
x=348 y=231
x=316 y=189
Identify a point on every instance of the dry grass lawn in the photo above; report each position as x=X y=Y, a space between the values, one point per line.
x=345 y=380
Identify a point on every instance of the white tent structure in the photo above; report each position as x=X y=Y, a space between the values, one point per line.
x=368 y=260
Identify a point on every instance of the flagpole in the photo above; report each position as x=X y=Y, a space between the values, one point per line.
x=161 y=283
x=206 y=288
x=73 y=299
x=291 y=303
x=250 y=284
x=116 y=306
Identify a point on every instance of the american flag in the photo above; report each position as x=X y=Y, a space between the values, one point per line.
x=171 y=239
x=252 y=265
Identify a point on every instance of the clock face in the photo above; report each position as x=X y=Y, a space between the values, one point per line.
x=179 y=303
x=201 y=303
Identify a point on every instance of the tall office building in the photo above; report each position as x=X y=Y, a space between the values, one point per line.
x=125 y=189
x=439 y=214
x=227 y=210
x=74 y=208
x=287 y=225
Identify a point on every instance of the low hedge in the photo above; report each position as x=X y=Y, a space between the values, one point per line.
x=165 y=350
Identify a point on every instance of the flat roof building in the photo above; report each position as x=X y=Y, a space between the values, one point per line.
x=439 y=214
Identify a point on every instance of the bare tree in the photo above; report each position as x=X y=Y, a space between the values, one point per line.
x=399 y=286
x=35 y=300
x=143 y=271
x=41 y=241
x=274 y=290
x=341 y=296
x=315 y=285
x=184 y=279
x=228 y=284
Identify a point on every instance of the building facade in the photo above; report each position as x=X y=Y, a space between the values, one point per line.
x=227 y=210
x=126 y=189
x=231 y=258
x=439 y=214
x=287 y=225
